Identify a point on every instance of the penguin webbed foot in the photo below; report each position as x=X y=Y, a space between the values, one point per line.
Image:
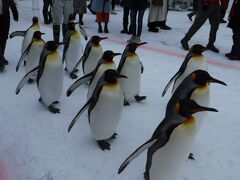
x=146 y=175
x=140 y=98
x=104 y=145
x=53 y=109
x=126 y=103
x=73 y=75
x=40 y=100
x=113 y=136
x=191 y=156
x=76 y=70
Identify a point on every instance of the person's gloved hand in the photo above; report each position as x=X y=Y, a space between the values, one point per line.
x=15 y=13
x=205 y=6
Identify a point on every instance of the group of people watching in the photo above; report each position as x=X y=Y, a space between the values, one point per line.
x=57 y=12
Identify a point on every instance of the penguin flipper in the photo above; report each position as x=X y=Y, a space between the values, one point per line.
x=66 y=46
x=170 y=82
x=23 y=56
x=83 y=32
x=25 y=79
x=122 y=61
x=79 y=114
x=136 y=153
x=78 y=83
x=17 y=33
x=142 y=67
x=76 y=66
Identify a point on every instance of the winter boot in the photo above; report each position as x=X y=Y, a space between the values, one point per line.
x=56 y=33
x=125 y=29
x=100 y=28
x=106 y=28
x=212 y=48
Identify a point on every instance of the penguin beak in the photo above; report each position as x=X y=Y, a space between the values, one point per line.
x=213 y=80
x=140 y=44
x=122 y=76
x=102 y=38
x=199 y=108
x=42 y=33
x=204 y=49
x=116 y=54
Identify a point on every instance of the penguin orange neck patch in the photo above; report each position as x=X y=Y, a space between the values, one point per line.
x=189 y=121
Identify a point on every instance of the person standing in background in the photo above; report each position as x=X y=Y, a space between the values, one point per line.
x=158 y=15
x=80 y=8
x=61 y=9
x=234 y=24
x=5 y=25
x=102 y=9
x=46 y=13
x=126 y=29
x=207 y=9
x=137 y=9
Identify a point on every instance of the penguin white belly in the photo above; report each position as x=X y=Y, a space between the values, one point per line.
x=92 y=60
x=33 y=57
x=168 y=161
x=28 y=37
x=202 y=97
x=74 y=53
x=193 y=65
x=102 y=68
x=131 y=84
x=106 y=114
x=51 y=82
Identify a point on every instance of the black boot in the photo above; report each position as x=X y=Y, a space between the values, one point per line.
x=106 y=28
x=45 y=17
x=129 y=30
x=56 y=33
x=184 y=43
x=211 y=47
x=49 y=17
x=100 y=28
x=64 y=30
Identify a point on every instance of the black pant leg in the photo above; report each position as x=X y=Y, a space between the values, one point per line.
x=5 y=25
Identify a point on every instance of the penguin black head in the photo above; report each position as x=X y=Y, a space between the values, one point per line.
x=109 y=55
x=71 y=17
x=202 y=77
x=97 y=39
x=52 y=45
x=111 y=76
x=37 y=34
x=71 y=26
x=198 y=49
x=35 y=20
x=131 y=47
x=187 y=107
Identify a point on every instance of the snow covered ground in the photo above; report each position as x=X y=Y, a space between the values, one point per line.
x=35 y=145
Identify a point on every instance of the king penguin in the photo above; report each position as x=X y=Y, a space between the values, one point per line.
x=106 y=62
x=73 y=49
x=104 y=108
x=49 y=76
x=169 y=144
x=132 y=67
x=194 y=60
x=91 y=56
x=32 y=54
x=28 y=34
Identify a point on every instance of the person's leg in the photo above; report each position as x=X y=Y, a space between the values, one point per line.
x=45 y=11
x=133 y=17
x=67 y=10
x=125 y=19
x=106 y=20
x=56 y=12
x=5 y=25
x=235 y=52
x=140 y=22
x=99 y=17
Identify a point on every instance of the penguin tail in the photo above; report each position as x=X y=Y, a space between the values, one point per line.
x=17 y=33
x=136 y=153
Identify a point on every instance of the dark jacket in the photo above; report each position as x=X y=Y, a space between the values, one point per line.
x=136 y=4
x=6 y=4
x=234 y=15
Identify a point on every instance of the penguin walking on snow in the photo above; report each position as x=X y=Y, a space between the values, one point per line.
x=104 y=108
x=73 y=49
x=105 y=63
x=166 y=155
x=196 y=87
x=193 y=61
x=49 y=76
x=91 y=56
x=32 y=54
x=28 y=34
x=132 y=67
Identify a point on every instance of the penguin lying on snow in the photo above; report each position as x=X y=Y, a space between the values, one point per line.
x=132 y=67
x=104 y=108
x=164 y=156
x=32 y=54
x=73 y=49
x=91 y=55
x=193 y=61
x=49 y=76
x=28 y=34
x=106 y=62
